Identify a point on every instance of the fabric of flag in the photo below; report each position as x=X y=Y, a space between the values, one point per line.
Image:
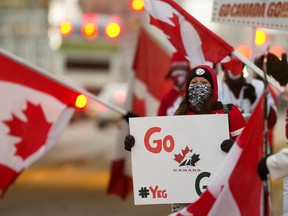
x=191 y=38
x=34 y=111
x=151 y=64
x=275 y=95
x=236 y=188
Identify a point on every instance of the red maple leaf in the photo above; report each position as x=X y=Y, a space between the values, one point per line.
x=33 y=133
x=173 y=32
x=179 y=157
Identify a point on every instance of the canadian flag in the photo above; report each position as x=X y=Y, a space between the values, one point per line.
x=236 y=188
x=186 y=34
x=34 y=111
x=151 y=64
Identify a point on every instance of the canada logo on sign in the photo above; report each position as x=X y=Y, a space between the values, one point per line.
x=187 y=157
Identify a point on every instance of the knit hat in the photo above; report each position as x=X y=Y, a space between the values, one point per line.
x=177 y=60
x=206 y=72
x=233 y=68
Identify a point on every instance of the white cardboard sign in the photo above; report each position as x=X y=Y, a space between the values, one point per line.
x=174 y=157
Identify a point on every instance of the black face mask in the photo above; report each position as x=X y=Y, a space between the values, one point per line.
x=198 y=94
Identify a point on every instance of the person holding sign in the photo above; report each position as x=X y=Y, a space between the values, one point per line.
x=201 y=97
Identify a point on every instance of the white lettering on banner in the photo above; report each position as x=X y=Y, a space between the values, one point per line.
x=269 y=14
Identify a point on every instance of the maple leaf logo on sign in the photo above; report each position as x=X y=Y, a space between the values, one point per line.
x=31 y=140
x=185 y=159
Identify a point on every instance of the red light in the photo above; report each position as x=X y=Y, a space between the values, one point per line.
x=113 y=30
x=100 y=107
x=89 y=30
x=277 y=50
x=119 y=96
x=89 y=27
x=137 y=5
x=245 y=50
x=66 y=28
x=81 y=101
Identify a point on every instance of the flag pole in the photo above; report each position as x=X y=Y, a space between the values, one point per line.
x=251 y=65
x=65 y=83
x=246 y=103
x=252 y=44
x=285 y=196
x=266 y=146
x=273 y=82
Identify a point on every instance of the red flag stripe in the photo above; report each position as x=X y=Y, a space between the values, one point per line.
x=151 y=64
x=36 y=113
x=36 y=80
x=222 y=46
x=8 y=176
x=251 y=140
x=244 y=188
x=214 y=48
x=120 y=184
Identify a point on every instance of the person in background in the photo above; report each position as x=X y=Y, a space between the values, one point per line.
x=179 y=69
x=275 y=67
x=278 y=69
x=201 y=97
x=235 y=89
x=275 y=164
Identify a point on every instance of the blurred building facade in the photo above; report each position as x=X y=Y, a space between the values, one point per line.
x=23 y=30
x=85 y=53
x=31 y=29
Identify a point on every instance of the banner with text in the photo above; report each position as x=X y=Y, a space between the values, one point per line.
x=174 y=157
x=267 y=14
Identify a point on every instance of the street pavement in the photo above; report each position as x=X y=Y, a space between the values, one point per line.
x=72 y=178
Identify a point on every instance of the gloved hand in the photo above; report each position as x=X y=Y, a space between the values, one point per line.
x=262 y=169
x=226 y=145
x=129 y=115
x=249 y=92
x=129 y=142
